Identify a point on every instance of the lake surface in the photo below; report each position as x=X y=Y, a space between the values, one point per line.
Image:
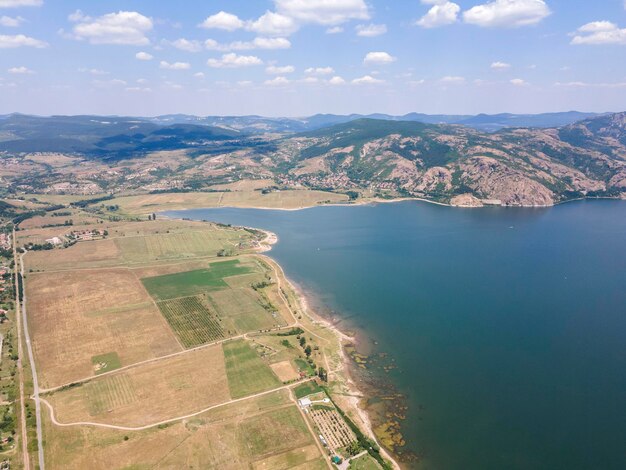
x=508 y=325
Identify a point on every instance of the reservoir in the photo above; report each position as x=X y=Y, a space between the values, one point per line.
x=507 y=325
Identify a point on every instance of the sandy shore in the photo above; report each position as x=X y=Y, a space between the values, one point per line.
x=355 y=394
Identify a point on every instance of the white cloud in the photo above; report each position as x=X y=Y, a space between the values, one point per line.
x=20 y=70
x=108 y=83
x=122 y=28
x=20 y=3
x=280 y=70
x=378 y=58
x=233 y=60
x=598 y=33
x=371 y=30
x=590 y=85
x=442 y=13
x=414 y=83
x=310 y=80
x=326 y=12
x=11 y=22
x=19 y=40
x=256 y=43
x=138 y=89
x=186 y=45
x=174 y=65
x=143 y=56
x=334 y=30
x=507 y=13
x=199 y=75
x=500 y=65
x=244 y=83
x=336 y=80
x=222 y=20
x=319 y=71
x=451 y=79
x=519 y=82
x=278 y=81
x=93 y=71
x=367 y=80
x=273 y=24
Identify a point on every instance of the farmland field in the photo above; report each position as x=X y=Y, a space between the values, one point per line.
x=244 y=307
x=247 y=372
x=191 y=320
x=166 y=246
x=215 y=439
x=195 y=282
x=293 y=199
x=76 y=315
x=150 y=392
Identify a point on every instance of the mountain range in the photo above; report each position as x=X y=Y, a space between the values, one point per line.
x=523 y=163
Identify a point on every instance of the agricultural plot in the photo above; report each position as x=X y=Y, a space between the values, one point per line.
x=332 y=426
x=274 y=432
x=247 y=372
x=245 y=309
x=195 y=282
x=75 y=316
x=106 y=363
x=148 y=393
x=215 y=439
x=192 y=321
x=169 y=246
x=93 y=254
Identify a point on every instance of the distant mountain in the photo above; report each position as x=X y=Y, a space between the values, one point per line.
x=485 y=122
x=107 y=137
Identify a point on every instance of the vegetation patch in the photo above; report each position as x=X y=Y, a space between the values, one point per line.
x=171 y=286
x=192 y=321
x=306 y=389
x=106 y=362
x=247 y=373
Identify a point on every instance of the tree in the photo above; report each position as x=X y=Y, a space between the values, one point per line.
x=322 y=374
x=302 y=341
x=308 y=351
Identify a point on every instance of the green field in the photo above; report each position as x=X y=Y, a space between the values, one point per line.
x=247 y=373
x=244 y=307
x=191 y=320
x=186 y=284
x=306 y=389
x=106 y=362
x=174 y=245
x=365 y=462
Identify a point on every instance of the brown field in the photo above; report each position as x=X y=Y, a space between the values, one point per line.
x=285 y=371
x=52 y=159
x=91 y=254
x=75 y=315
x=41 y=221
x=293 y=199
x=215 y=439
x=244 y=185
x=149 y=393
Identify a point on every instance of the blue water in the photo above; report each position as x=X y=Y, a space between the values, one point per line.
x=508 y=325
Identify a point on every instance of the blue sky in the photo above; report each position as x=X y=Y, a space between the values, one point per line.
x=300 y=57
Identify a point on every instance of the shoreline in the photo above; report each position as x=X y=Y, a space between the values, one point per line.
x=375 y=201
x=355 y=394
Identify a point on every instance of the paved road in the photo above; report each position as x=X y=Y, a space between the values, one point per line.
x=25 y=457
x=33 y=368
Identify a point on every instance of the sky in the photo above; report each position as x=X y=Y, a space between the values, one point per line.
x=302 y=57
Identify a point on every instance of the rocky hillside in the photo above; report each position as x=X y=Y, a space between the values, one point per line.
x=530 y=167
